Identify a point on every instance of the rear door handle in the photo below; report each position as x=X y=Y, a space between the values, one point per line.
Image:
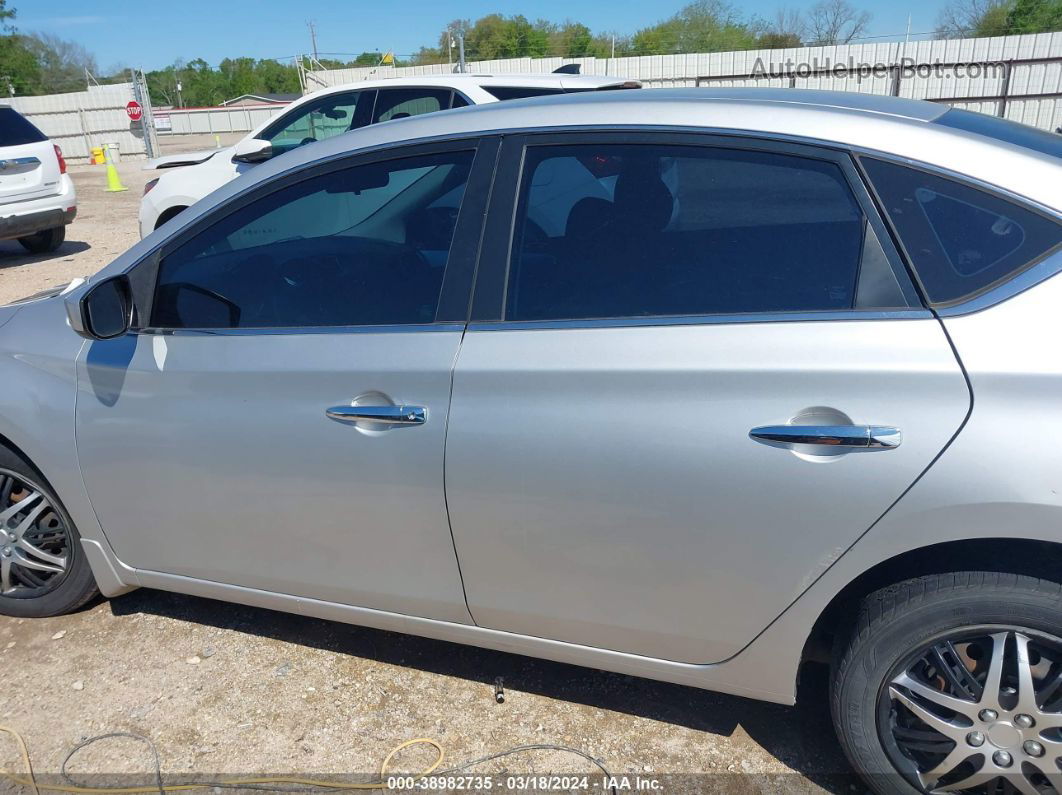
x=878 y=437
x=381 y=415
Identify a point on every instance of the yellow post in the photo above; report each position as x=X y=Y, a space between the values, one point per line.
x=114 y=184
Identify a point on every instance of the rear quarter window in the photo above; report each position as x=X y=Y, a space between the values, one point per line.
x=961 y=240
x=15 y=130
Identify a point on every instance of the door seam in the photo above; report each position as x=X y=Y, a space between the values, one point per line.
x=453 y=374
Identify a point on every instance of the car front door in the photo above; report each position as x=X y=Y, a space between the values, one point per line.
x=696 y=373
x=279 y=421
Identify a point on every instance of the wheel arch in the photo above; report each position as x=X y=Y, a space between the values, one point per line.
x=168 y=213
x=8 y=444
x=1032 y=557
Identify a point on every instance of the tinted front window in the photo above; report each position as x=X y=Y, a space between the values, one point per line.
x=15 y=130
x=642 y=230
x=1005 y=130
x=961 y=240
x=316 y=121
x=361 y=246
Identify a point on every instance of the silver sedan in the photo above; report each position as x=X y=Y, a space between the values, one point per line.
x=704 y=386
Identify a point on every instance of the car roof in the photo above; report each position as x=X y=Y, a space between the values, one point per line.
x=457 y=80
x=898 y=127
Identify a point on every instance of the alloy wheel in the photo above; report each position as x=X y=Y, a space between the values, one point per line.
x=34 y=539
x=978 y=711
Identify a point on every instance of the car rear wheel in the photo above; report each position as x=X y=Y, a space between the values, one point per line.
x=953 y=682
x=43 y=571
x=43 y=242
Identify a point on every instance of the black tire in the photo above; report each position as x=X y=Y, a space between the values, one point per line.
x=44 y=242
x=71 y=589
x=898 y=623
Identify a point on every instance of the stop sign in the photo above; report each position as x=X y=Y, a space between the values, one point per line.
x=134 y=110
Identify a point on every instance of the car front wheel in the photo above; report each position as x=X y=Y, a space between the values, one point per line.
x=953 y=682
x=43 y=571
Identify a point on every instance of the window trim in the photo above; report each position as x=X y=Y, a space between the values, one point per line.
x=1007 y=286
x=489 y=298
x=455 y=293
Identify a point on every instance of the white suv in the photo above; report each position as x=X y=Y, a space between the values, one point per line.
x=37 y=198
x=336 y=110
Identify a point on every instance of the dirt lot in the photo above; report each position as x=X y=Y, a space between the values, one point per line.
x=225 y=690
x=105 y=226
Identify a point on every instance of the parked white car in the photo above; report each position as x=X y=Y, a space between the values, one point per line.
x=37 y=197
x=336 y=110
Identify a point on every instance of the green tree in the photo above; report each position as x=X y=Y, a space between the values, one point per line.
x=572 y=40
x=203 y=85
x=275 y=77
x=19 y=70
x=786 y=30
x=966 y=18
x=1034 y=16
x=61 y=64
x=702 y=26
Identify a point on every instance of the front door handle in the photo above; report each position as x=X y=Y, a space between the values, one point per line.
x=381 y=415
x=877 y=437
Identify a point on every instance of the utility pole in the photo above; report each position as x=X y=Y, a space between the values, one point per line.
x=313 y=38
x=450 y=50
x=461 y=50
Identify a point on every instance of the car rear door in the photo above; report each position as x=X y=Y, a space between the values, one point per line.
x=279 y=422
x=696 y=373
x=29 y=167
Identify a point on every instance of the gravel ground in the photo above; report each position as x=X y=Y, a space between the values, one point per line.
x=106 y=225
x=228 y=690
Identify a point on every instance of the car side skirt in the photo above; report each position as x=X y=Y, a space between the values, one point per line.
x=719 y=677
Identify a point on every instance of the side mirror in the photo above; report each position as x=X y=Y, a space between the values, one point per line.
x=104 y=312
x=252 y=150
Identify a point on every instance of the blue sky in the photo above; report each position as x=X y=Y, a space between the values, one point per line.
x=152 y=34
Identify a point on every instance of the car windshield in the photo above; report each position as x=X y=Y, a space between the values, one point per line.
x=15 y=130
x=1005 y=130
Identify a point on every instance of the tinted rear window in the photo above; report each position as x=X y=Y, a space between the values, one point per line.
x=15 y=130
x=961 y=240
x=653 y=230
x=1010 y=132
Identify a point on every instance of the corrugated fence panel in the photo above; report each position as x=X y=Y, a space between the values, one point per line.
x=84 y=119
x=946 y=69
x=187 y=121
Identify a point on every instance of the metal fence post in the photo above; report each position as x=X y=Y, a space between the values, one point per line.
x=147 y=122
x=1005 y=90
